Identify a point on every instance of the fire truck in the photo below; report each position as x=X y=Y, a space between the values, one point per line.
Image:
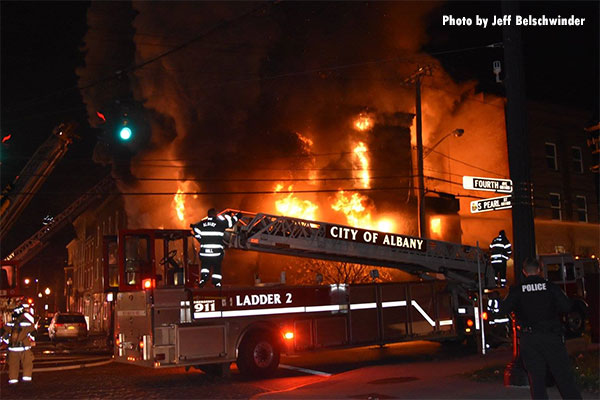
x=569 y=273
x=163 y=320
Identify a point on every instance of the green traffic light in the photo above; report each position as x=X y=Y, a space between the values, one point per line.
x=125 y=133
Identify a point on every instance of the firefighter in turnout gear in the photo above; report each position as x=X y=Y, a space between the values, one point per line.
x=500 y=250
x=538 y=305
x=210 y=232
x=19 y=337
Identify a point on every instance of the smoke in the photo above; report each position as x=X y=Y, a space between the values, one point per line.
x=233 y=104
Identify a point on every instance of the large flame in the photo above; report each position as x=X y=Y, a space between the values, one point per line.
x=292 y=206
x=357 y=210
x=360 y=152
x=179 y=204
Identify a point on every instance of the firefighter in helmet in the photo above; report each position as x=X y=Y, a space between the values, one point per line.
x=500 y=250
x=18 y=334
x=210 y=232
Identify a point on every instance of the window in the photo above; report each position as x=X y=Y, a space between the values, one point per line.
x=577 y=159
x=551 y=156
x=555 y=206
x=554 y=272
x=581 y=208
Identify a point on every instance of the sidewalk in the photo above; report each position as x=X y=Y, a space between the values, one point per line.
x=446 y=379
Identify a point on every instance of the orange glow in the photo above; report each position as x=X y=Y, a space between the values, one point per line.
x=360 y=153
x=306 y=142
x=141 y=344
x=436 y=225
x=288 y=335
x=292 y=206
x=363 y=123
x=484 y=315
x=469 y=322
x=179 y=200
x=385 y=225
x=147 y=283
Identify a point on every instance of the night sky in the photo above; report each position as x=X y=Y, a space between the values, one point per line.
x=41 y=48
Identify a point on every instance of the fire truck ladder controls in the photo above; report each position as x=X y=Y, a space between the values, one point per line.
x=326 y=241
x=17 y=196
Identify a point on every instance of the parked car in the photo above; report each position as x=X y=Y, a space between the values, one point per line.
x=67 y=326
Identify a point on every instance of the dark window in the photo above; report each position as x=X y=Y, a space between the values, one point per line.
x=554 y=272
x=137 y=257
x=555 y=206
x=581 y=208
x=570 y=269
x=577 y=159
x=551 y=156
x=70 y=319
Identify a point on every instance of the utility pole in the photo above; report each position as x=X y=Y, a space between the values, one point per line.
x=416 y=78
x=517 y=137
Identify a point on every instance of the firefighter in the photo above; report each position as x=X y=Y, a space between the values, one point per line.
x=538 y=305
x=210 y=232
x=18 y=334
x=500 y=250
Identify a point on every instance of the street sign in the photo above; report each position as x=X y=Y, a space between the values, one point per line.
x=491 y=204
x=487 y=184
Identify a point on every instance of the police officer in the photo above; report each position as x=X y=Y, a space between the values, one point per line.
x=210 y=232
x=500 y=250
x=19 y=337
x=538 y=304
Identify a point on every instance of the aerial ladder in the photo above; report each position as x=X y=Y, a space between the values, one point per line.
x=313 y=239
x=16 y=196
x=9 y=272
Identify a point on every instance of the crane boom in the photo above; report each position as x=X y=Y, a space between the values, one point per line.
x=34 y=174
x=327 y=241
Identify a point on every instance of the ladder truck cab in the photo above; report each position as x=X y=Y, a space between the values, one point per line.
x=568 y=273
x=163 y=320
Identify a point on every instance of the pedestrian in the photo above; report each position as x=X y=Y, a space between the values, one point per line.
x=210 y=232
x=538 y=305
x=500 y=250
x=18 y=334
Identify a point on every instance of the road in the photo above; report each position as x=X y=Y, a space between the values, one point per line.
x=409 y=370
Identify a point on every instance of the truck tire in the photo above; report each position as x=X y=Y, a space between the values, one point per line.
x=258 y=355
x=575 y=322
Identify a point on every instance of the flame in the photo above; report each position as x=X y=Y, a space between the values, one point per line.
x=358 y=212
x=292 y=206
x=363 y=123
x=354 y=209
x=179 y=200
x=360 y=153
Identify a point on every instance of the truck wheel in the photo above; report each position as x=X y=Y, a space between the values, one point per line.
x=258 y=355
x=575 y=322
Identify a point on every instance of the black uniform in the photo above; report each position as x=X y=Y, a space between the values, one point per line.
x=210 y=232
x=538 y=304
x=500 y=250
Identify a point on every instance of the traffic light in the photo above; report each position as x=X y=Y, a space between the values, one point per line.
x=125 y=131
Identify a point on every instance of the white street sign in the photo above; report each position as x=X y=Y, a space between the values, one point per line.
x=491 y=204
x=487 y=184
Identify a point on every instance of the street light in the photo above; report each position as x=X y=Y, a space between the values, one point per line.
x=457 y=133
x=47 y=291
x=421 y=192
